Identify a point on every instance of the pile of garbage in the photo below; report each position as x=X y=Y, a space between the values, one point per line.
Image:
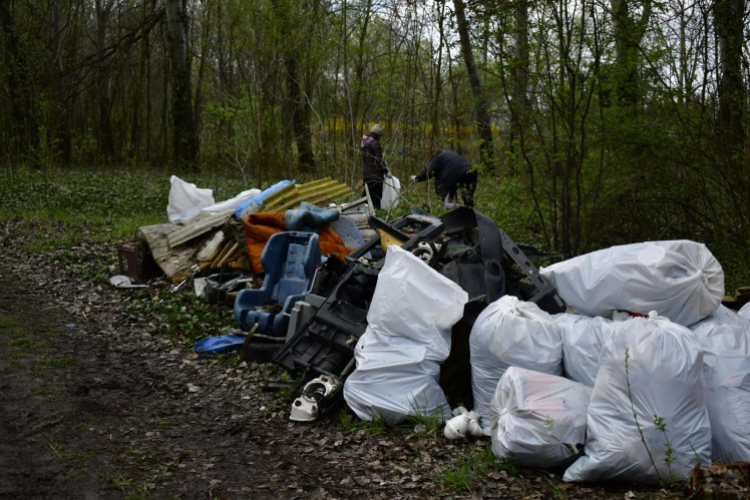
x=621 y=364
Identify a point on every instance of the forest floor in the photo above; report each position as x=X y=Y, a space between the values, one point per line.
x=102 y=396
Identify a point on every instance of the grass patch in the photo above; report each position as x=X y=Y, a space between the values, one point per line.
x=354 y=425
x=45 y=363
x=26 y=344
x=463 y=476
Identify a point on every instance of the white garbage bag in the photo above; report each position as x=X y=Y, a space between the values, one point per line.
x=232 y=203
x=745 y=311
x=391 y=192
x=652 y=368
x=508 y=333
x=725 y=337
x=538 y=419
x=186 y=200
x=680 y=280
x=582 y=342
x=408 y=336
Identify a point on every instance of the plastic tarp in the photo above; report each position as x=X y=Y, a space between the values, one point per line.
x=408 y=336
x=660 y=364
x=582 y=342
x=745 y=311
x=680 y=280
x=508 y=333
x=253 y=204
x=232 y=203
x=725 y=338
x=186 y=200
x=391 y=192
x=538 y=419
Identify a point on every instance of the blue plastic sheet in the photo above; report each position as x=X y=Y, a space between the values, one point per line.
x=257 y=200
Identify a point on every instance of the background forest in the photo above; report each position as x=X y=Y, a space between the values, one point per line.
x=593 y=122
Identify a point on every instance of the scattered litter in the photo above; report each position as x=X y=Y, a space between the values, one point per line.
x=538 y=419
x=193 y=388
x=408 y=336
x=511 y=333
x=232 y=203
x=186 y=200
x=652 y=368
x=680 y=280
x=120 y=281
x=71 y=325
x=725 y=337
x=464 y=422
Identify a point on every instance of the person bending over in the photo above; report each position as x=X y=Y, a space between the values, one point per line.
x=452 y=173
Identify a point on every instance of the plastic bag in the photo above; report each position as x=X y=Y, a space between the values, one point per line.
x=745 y=311
x=660 y=364
x=582 y=342
x=725 y=338
x=408 y=336
x=680 y=280
x=232 y=203
x=186 y=200
x=508 y=333
x=391 y=192
x=538 y=419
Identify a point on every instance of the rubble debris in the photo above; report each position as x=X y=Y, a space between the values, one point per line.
x=198 y=226
x=538 y=419
x=289 y=259
x=408 y=336
x=508 y=333
x=316 y=192
x=215 y=288
x=305 y=407
x=681 y=280
x=260 y=227
x=647 y=420
x=255 y=203
x=725 y=337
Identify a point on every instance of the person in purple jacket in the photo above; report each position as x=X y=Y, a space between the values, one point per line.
x=452 y=173
x=374 y=166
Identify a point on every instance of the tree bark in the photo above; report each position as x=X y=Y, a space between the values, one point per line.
x=519 y=108
x=480 y=102
x=105 y=135
x=628 y=36
x=728 y=19
x=184 y=139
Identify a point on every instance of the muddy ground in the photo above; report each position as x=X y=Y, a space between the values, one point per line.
x=93 y=406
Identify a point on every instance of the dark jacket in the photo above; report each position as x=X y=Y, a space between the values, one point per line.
x=372 y=154
x=446 y=168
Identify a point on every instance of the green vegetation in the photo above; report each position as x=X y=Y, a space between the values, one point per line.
x=463 y=475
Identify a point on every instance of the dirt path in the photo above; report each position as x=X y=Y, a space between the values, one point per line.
x=92 y=407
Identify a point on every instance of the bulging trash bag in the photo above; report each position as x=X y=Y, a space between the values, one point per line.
x=745 y=311
x=582 y=342
x=538 y=419
x=391 y=192
x=408 y=336
x=508 y=333
x=186 y=200
x=680 y=280
x=725 y=338
x=652 y=368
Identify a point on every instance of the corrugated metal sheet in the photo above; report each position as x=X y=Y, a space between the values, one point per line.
x=316 y=192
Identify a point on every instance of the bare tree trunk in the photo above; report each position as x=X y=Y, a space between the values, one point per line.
x=628 y=36
x=519 y=109
x=480 y=103
x=18 y=84
x=729 y=16
x=105 y=135
x=184 y=139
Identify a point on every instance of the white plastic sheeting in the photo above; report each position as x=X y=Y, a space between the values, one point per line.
x=664 y=369
x=232 y=203
x=680 y=280
x=538 y=419
x=391 y=192
x=408 y=336
x=582 y=342
x=186 y=200
x=745 y=311
x=508 y=333
x=725 y=337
